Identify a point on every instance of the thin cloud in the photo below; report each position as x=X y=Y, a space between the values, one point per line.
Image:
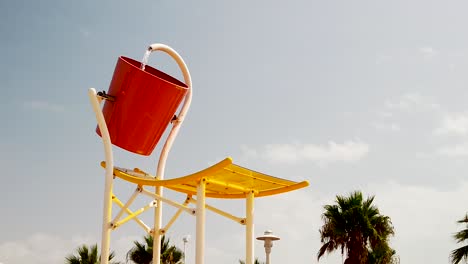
x=52 y=249
x=385 y=114
x=459 y=150
x=453 y=124
x=408 y=206
x=43 y=106
x=428 y=52
x=286 y=153
x=394 y=127
x=412 y=102
x=382 y=58
x=349 y=151
x=84 y=32
x=395 y=111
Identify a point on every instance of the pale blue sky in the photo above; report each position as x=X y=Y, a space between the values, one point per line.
x=367 y=95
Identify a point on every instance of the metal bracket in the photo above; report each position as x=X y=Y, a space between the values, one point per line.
x=105 y=96
x=175 y=120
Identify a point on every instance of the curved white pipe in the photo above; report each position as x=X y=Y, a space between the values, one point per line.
x=107 y=210
x=168 y=144
x=183 y=111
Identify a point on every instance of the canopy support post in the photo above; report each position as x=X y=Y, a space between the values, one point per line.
x=249 y=228
x=200 y=222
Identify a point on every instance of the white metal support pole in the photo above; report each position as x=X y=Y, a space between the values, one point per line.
x=249 y=228
x=107 y=210
x=268 y=245
x=200 y=230
x=157 y=226
x=185 y=250
x=168 y=144
x=185 y=239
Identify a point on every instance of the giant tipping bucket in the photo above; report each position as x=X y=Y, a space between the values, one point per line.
x=141 y=104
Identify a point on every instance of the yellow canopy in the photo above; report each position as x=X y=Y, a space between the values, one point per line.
x=223 y=180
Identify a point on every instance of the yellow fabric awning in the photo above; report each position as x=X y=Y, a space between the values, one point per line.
x=224 y=180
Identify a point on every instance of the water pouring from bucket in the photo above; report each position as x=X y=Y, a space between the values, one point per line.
x=145 y=101
x=145 y=59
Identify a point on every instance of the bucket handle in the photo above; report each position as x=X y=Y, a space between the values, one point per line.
x=176 y=57
x=183 y=67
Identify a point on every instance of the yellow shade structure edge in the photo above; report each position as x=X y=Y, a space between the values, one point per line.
x=155 y=182
x=290 y=188
x=174 y=184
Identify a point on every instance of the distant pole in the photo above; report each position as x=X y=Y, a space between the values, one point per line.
x=268 y=239
x=185 y=239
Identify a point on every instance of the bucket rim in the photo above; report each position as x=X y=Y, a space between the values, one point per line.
x=165 y=77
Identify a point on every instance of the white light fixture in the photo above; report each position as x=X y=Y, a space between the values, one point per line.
x=268 y=239
x=185 y=239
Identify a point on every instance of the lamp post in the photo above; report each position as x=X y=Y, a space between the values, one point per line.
x=268 y=239
x=185 y=239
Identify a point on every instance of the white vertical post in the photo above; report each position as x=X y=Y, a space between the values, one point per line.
x=107 y=210
x=200 y=230
x=185 y=239
x=185 y=252
x=268 y=245
x=249 y=228
x=107 y=214
x=157 y=226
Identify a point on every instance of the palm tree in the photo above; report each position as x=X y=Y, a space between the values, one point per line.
x=381 y=254
x=142 y=253
x=355 y=226
x=256 y=261
x=87 y=255
x=462 y=236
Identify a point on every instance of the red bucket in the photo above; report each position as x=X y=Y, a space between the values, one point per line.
x=144 y=103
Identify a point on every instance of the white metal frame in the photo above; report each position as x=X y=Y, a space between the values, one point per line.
x=109 y=224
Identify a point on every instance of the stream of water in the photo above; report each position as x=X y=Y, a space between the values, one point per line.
x=144 y=61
